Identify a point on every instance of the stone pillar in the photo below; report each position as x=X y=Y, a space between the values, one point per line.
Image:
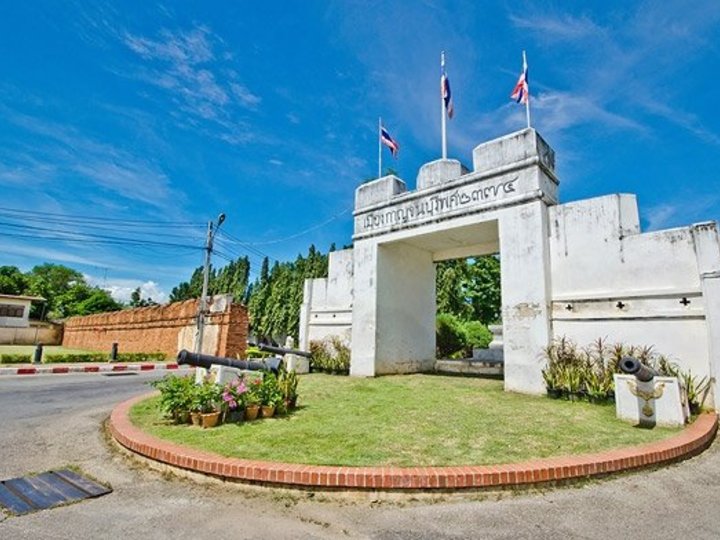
x=439 y=172
x=364 y=327
x=305 y=308
x=393 y=327
x=405 y=309
x=707 y=248
x=525 y=281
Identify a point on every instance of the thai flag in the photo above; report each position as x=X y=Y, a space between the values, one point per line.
x=446 y=94
x=388 y=141
x=521 y=92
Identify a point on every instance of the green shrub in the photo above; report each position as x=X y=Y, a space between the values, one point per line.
x=450 y=336
x=15 y=358
x=478 y=335
x=71 y=358
x=330 y=355
x=141 y=357
x=255 y=352
x=177 y=395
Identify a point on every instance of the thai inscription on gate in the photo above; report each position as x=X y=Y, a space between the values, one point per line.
x=432 y=206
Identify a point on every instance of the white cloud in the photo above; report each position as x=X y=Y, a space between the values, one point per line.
x=36 y=253
x=659 y=217
x=59 y=152
x=185 y=64
x=122 y=289
x=245 y=96
x=629 y=65
x=562 y=27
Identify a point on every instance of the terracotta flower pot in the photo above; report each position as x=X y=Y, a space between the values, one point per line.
x=195 y=418
x=268 y=411
x=251 y=412
x=210 y=419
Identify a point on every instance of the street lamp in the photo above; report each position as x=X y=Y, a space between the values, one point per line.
x=202 y=305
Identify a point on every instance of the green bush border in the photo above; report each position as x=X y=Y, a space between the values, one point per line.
x=15 y=358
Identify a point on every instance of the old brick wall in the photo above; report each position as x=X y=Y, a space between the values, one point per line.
x=161 y=329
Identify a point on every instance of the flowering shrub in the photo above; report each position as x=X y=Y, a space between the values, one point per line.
x=234 y=394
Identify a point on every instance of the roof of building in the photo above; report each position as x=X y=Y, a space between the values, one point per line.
x=22 y=297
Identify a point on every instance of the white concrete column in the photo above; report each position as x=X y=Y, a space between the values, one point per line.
x=707 y=249
x=405 y=309
x=526 y=294
x=305 y=309
x=364 y=310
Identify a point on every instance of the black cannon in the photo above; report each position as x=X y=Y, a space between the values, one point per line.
x=205 y=361
x=283 y=350
x=633 y=366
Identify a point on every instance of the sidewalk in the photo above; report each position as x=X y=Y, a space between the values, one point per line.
x=105 y=367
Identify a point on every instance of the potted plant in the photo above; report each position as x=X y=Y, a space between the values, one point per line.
x=270 y=395
x=253 y=399
x=233 y=400
x=176 y=396
x=207 y=403
x=287 y=382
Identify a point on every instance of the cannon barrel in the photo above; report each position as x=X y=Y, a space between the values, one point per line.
x=283 y=350
x=633 y=366
x=205 y=361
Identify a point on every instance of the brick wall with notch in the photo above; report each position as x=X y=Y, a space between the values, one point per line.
x=160 y=329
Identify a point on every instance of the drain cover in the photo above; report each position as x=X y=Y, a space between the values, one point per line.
x=31 y=493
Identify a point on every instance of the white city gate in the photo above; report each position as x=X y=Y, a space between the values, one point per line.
x=580 y=269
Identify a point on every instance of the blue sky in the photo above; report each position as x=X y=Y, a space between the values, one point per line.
x=166 y=114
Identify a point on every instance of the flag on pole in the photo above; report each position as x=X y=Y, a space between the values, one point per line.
x=445 y=92
x=388 y=141
x=521 y=92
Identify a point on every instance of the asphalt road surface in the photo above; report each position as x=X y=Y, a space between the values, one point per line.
x=47 y=422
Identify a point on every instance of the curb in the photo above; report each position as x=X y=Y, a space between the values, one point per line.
x=691 y=441
x=84 y=368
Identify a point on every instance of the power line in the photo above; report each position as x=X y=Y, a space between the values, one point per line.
x=139 y=243
x=101 y=219
x=86 y=238
x=297 y=234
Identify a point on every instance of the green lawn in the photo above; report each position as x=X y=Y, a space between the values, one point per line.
x=408 y=420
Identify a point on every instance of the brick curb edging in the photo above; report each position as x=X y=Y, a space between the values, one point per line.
x=691 y=441
x=85 y=368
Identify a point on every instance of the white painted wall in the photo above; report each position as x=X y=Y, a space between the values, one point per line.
x=655 y=289
x=16 y=322
x=327 y=303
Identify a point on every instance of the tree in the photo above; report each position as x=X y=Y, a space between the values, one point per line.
x=136 y=299
x=12 y=280
x=470 y=288
x=98 y=301
x=450 y=282
x=483 y=289
x=66 y=291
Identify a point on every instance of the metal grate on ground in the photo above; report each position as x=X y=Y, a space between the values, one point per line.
x=46 y=490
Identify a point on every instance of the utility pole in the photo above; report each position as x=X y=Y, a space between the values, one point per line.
x=202 y=305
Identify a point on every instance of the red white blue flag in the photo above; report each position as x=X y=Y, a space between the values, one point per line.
x=521 y=92
x=388 y=141
x=446 y=94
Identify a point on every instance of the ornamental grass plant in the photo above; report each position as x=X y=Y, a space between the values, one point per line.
x=586 y=373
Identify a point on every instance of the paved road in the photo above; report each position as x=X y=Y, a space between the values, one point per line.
x=50 y=421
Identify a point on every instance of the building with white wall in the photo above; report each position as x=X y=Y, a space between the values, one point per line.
x=583 y=269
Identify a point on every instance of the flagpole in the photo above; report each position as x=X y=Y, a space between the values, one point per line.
x=379 y=147
x=527 y=98
x=443 y=110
